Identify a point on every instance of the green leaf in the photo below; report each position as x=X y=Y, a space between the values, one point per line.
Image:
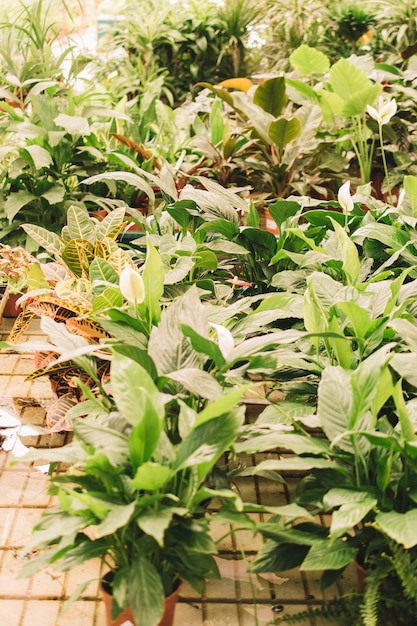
x=406 y=423
x=109 y=298
x=38 y=156
x=197 y=382
x=80 y=225
x=46 y=239
x=350 y=514
x=72 y=124
x=127 y=177
x=204 y=345
x=283 y=131
x=153 y=277
x=401 y=527
x=331 y=105
x=281 y=210
x=55 y=194
x=347 y=80
x=102 y=270
x=151 y=476
x=216 y=122
x=308 y=61
x=270 y=95
x=299 y=444
x=325 y=556
x=155 y=523
x=349 y=253
x=17 y=200
x=410 y=187
x=145 y=592
x=140 y=402
x=357 y=103
x=117 y=517
x=221 y=406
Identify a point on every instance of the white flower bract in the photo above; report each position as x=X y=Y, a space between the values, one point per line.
x=131 y=285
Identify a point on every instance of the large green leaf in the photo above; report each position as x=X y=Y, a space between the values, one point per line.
x=118 y=516
x=283 y=131
x=401 y=527
x=38 y=155
x=357 y=103
x=153 y=277
x=151 y=476
x=80 y=225
x=349 y=253
x=270 y=95
x=140 y=402
x=299 y=444
x=207 y=441
x=17 y=200
x=347 y=80
x=168 y=346
x=349 y=515
x=102 y=270
x=145 y=592
x=46 y=239
x=325 y=556
x=73 y=124
x=127 y=177
x=308 y=61
x=204 y=345
x=197 y=382
x=410 y=187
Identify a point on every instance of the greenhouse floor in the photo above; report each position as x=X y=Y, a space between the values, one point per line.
x=239 y=599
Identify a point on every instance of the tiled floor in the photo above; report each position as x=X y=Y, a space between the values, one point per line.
x=239 y=599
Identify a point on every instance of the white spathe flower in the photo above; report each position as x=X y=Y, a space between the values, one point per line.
x=225 y=339
x=131 y=285
x=384 y=111
x=344 y=197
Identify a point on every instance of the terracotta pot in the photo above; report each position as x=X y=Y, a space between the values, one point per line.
x=360 y=576
x=11 y=309
x=126 y=618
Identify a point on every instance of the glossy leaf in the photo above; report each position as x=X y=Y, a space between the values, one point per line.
x=270 y=95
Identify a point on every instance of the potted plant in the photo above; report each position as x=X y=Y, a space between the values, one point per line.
x=16 y=267
x=363 y=474
x=135 y=498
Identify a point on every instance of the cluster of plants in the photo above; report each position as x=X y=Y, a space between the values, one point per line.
x=165 y=299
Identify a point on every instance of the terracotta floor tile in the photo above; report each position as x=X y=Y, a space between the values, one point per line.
x=43 y=612
x=10 y=612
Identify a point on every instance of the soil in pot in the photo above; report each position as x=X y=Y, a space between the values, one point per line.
x=126 y=618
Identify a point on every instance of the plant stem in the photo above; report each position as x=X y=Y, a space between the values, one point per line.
x=384 y=161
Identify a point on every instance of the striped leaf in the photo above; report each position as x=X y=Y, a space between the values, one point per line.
x=46 y=239
x=80 y=225
x=111 y=225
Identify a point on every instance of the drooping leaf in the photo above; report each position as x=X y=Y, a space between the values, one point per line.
x=145 y=592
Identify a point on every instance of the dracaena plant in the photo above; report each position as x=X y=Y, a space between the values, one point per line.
x=267 y=141
x=134 y=498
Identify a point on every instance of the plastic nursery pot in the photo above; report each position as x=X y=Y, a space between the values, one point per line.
x=126 y=618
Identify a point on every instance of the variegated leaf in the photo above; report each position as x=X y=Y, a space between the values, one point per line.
x=111 y=225
x=78 y=255
x=46 y=239
x=80 y=225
